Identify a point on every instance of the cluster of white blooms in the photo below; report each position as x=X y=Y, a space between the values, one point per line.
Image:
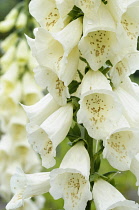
x=16 y=85
x=86 y=51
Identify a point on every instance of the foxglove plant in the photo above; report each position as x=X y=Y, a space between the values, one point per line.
x=86 y=51
x=16 y=85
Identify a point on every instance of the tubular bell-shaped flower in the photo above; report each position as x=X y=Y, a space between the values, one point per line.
x=71 y=180
x=47 y=78
x=27 y=185
x=89 y=7
x=31 y=91
x=107 y=197
x=99 y=107
x=58 y=51
x=51 y=133
x=130 y=105
x=47 y=16
x=121 y=147
x=99 y=41
x=38 y=112
x=124 y=67
x=134 y=168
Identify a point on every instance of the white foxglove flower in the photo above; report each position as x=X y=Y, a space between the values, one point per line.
x=64 y=6
x=99 y=109
x=9 y=79
x=29 y=204
x=22 y=52
x=46 y=78
x=130 y=105
x=99 y=41
x=58 y=51
x=124 y=67
x=17 y=126
x=8 y=57
x=8 y=103
x=120 y=148
x=71 y=180
x=47 y=16
x=128 y=29
x=107 y=197
x=134 y=168
x=8 y=23
x=9 y=41
x=89 y=7
x=31 y=91
x=27 y=185
x=21 y=20
x=38 y=112
x=51 y=132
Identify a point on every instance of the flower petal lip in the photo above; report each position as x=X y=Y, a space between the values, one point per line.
x=121 y=147
x=47 y=17
x=39 y=111
x=27 y=185
x=71 y=180
x=102 y=190
x=47 y=78
x=100 y=108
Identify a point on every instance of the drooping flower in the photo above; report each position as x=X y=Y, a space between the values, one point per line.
x=107 y=197
x=58 y=51
x=47 y=16
x=124 y=67
x=27 y=185
x=121 y=147
x=51 y=133
x=38 y=112
x=99 y=42
x=47 y=78
x=99 y=107
x=71 y=180
x=134 y=168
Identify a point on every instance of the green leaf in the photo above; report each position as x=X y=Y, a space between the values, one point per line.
x=104 y=69
x=104 y=1
x=95 y=176
x=75 y=13
x=74 y=133
x=73 y=86
x=80 y=75
x=75 y=141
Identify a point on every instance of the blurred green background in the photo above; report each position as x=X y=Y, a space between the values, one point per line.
x=5 y=7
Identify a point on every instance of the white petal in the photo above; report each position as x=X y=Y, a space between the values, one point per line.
x=47 y=16
x=100 y=109
x=134 y=168
x=31 y=91
x=98 y=47
x=58 y=124
x=44 y=146
x=38 y=112
x=102 y=190
x=53 y=49
x=46 y=78
x=70 y=181
x=26 y=186
x=121 y=147
x=126 y=66
x=88 y=7
x=64 y=6
x=73 y=157
x=130 y=106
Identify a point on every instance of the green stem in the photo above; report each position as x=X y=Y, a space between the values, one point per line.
x=90 y=151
